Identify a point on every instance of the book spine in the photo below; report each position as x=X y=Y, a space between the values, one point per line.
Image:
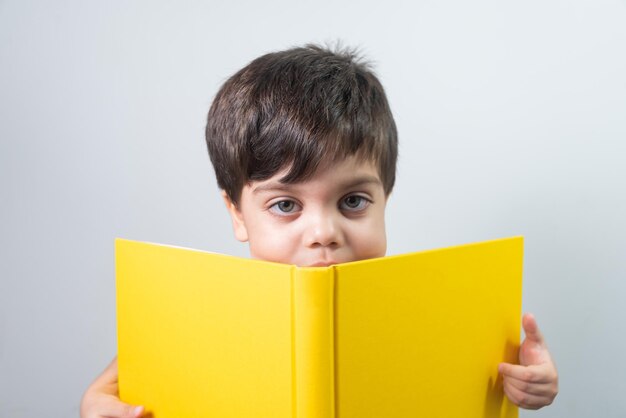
x=312 y=326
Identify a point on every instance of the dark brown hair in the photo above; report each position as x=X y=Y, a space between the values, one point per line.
x=296 y=109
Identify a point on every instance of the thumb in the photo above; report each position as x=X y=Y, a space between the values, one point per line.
x=531 y=329
x=533 y=350
x=120 y=409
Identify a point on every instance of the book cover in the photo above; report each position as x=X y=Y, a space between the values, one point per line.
x=421 y=334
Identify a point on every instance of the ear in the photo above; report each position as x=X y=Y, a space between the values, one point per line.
x=239 y=226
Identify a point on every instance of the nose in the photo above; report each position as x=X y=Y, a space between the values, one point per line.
x=323 y=230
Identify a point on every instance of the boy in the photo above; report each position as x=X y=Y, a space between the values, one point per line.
x=304 y=148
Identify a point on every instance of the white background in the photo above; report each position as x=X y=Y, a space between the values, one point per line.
x=512 y=121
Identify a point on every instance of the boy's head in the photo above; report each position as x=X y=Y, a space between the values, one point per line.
x=288 y=119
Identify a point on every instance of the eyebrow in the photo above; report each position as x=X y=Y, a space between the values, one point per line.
x=282 y=187
x=272 y=187
x=360 y=181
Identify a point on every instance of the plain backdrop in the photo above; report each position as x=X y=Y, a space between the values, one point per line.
x=512 y=121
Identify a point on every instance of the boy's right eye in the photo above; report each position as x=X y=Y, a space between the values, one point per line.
x=285 y=207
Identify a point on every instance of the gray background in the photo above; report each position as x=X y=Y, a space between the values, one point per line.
x=512 y=117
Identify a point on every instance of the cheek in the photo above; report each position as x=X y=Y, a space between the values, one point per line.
x=269 y=243
x=378 y=244
x=370 y=240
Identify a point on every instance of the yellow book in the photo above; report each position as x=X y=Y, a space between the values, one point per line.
x=415 y=335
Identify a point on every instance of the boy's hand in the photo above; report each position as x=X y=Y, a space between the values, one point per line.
x=534 y=383
x=101 y=399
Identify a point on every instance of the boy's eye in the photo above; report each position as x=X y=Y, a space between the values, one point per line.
x=354 y=202
x=284 y=207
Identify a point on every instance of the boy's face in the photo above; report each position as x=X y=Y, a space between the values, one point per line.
x=336 y=216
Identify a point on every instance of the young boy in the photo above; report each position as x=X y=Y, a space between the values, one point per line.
x=304 y=148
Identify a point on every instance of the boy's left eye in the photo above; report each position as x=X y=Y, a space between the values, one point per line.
x=354 y=203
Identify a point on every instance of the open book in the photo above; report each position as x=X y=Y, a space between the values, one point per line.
x=415 y=335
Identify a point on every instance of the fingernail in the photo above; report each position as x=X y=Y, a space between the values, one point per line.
x=138 y=411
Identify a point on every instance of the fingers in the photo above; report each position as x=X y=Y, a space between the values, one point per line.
x=530 y=387
x=531 y=329
x=533 y=374
x=524 y=399
x=539 y=389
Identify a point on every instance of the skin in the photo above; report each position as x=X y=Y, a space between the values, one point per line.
x=534 y=383
x=336 y=216
x=101 y=399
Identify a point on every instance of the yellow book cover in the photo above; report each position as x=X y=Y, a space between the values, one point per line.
x=415 y=335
